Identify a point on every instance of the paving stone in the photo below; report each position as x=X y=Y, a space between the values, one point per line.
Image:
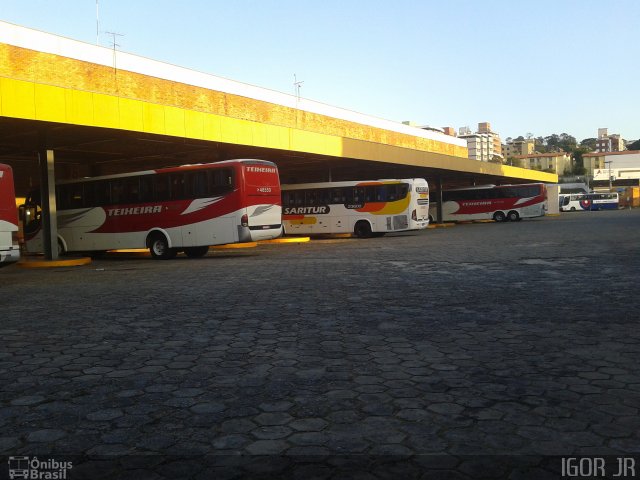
x=46 y=435
x=105 y=415
x=267 y=447
x=208 y=407
x=276 y=418
x=27 y=401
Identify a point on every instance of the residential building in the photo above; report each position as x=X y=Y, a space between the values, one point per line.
x=483 y=145
x=608 y=143
x=516 y=147
x=556 y=162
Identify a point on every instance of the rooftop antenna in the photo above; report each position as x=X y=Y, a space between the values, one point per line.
x=297 y=85
x=114 y=44
x=97 y=24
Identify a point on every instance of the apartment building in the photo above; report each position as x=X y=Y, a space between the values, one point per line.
x=484 y=145
x=556 y=162
x=609 y=143
x=515 y=148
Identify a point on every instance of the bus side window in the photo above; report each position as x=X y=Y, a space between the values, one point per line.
x=117 y=189
x=381 y=194
x=177 y=186
x=220 y=181
x=370 y=194
x=198 y=184
x=161 y=187
x=392 y=192
x=337 y=195
x=324 y=196
x=403 y=190
x=130 y=190
x=102 y=193
x=146 y=188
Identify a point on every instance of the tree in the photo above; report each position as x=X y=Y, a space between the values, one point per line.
x=634 y=145
x=539 y=145
x=577 y=161
x=589 y=143
x=567 y=142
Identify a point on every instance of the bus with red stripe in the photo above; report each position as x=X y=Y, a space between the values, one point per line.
x=169 y=210
x=364 y=208
x=490 y=202
x=9 y=247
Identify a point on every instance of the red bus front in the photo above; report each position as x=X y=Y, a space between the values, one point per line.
x=261 y=201
x=9 y=248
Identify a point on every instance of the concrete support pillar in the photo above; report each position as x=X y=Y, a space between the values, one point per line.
x=439 y=209
x=48 y=201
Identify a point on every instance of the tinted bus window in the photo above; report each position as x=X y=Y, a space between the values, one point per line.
x=161 y=187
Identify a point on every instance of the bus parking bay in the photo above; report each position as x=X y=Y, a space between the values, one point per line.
x=482 y=339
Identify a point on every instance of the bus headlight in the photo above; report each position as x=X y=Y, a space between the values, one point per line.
x=414 y=215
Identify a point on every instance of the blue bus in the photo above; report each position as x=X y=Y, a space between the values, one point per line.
x=589 y=201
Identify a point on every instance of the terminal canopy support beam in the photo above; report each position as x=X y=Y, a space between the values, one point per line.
x=439 y=209
x=48 y=200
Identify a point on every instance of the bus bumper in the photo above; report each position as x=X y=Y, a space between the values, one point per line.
x=9 y=256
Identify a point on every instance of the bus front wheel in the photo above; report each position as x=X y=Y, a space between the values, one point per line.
x=499 y=217
x=159 y=247
x=362 y=229
x=196 y=252
x=513 y=216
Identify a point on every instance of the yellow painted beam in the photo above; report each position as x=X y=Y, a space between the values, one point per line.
x=31 y=100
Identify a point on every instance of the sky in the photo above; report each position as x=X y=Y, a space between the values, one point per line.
x=538 y=67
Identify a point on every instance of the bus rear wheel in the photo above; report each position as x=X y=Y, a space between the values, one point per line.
x=499 y=217
x=362 y=229
x=159 y=247
x=196 y=252
x=513 y=216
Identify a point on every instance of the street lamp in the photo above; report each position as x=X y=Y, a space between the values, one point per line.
x=609 y=163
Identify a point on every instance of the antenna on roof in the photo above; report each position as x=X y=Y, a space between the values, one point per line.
x=297 y=85
x=97 y=24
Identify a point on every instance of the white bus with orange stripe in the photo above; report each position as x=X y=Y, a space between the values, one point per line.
x=365 y=208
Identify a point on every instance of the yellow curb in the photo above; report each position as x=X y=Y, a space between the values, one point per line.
x=552 y=215
x=286 y=240
x=484 y=221
x=72 y=262
x=440 y=225
x=129 y=250
x=232 y=246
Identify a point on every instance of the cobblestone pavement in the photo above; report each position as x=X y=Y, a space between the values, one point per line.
x=483 y=339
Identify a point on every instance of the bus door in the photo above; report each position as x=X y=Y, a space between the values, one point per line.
x=320 y=212
x=337 y=202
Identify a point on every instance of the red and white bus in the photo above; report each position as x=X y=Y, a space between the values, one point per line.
x=186 y=208
x=500 y=203
x=9 y=248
